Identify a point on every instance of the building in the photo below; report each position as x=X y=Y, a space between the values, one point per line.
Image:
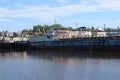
x=99 y=34
x=60 y=33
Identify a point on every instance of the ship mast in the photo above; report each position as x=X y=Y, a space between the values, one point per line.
x=104 y=27
x=55 y=21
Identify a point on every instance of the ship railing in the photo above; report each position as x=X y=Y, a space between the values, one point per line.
x=88 y=38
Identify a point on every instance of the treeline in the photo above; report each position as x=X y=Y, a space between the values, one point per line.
x=42 y=28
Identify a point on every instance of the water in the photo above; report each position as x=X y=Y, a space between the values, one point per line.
x=54 y=65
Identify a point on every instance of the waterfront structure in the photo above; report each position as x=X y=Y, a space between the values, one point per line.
x=54 y=34
x=60 y=33
x=64 y=33
x=76 y=34
x=61 y=38
x=99 y=34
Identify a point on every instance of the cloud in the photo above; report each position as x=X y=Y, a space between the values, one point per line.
x=63 y=1
x=109 y=4
x=117 y=21
x=47 y=13
x=5 y=20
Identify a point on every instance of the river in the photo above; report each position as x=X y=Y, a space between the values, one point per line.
x=58 y=65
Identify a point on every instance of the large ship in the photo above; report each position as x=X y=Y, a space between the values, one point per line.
x=62 y=38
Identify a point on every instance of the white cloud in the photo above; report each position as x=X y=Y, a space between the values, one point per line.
x=109 y=4
x=63 y=1
x=47 y=13
x=117 y=21
x=5 y=20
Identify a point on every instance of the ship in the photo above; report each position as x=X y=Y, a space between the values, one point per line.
x=62 y=38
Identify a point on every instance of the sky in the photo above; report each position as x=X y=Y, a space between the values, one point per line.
x=16 y=15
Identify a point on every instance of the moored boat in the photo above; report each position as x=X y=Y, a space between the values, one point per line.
x=53 y=40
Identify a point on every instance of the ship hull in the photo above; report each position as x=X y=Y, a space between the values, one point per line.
x=81 y=48
x=82 y=45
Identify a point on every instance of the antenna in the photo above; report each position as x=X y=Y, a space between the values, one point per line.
x=55 y=21
x=104 y=27
x=118 y=28
x=76 y=24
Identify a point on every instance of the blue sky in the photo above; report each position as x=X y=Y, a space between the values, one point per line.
x=16 y=15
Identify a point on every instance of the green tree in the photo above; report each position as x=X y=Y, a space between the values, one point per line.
x=42 y=28
x=55 y=26
x=38 y=28
x=25 y=31
x=46 y=27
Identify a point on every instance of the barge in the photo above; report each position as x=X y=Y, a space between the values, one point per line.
x=80 y=44
x=53 y=40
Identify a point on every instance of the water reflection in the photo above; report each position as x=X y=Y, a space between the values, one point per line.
x=58 y=55
x=13 y=54
x=59 y=65
x=72 y=54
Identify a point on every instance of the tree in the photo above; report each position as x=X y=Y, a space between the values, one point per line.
x=24 y=31
x=42 y=28
x=55 y=26
x=38 y=28
x=46 y=27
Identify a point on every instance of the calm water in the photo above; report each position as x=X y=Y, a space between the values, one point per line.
x=49 y=65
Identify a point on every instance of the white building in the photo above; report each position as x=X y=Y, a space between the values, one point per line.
x=99 y=34
x=60 y=33
x=76 y=34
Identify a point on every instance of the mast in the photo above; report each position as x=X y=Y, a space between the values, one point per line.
x=104 y=27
